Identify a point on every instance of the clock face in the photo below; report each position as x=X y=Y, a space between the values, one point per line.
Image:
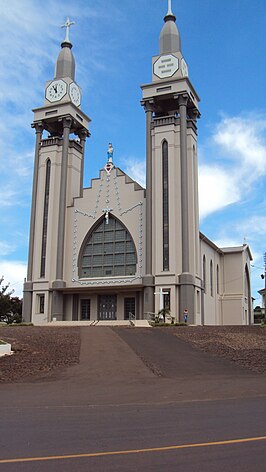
x=165 y=66
x=74 y=93
x=184 y=68
x=56 y=90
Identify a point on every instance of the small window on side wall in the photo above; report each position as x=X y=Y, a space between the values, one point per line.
x=41 y=303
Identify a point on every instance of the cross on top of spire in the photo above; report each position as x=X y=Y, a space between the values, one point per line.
x=169 y=8
x=67 y=25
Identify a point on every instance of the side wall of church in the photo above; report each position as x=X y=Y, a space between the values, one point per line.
x=236 y=303
x=227 y=297
x=212 y=276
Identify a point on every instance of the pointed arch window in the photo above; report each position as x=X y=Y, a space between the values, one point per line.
x=217 y=280
x=109 y=250
x=45 y=217
x=211 y=278
x=204 y=273
x=165 y=191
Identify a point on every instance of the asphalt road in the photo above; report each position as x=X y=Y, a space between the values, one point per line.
x=126 y=409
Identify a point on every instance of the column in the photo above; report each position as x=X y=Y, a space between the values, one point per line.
x=38 y=130
x=67 y=122
x=186 y=279
x=148 y=280
x=27 y=289
x=59 y=284
x=184 y=181
x=82 y=136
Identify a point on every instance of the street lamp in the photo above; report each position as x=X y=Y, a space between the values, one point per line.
x=263 y=276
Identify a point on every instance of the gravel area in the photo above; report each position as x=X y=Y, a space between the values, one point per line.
x=244 y=345
x=38 y=351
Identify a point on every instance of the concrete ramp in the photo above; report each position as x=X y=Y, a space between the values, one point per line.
x=140 y=324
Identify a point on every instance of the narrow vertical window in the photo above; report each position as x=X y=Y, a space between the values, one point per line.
x=217 y=280
x=165 y=206
x=41 y=303
x=211 y=277
x=45 y=217
x=204 y=273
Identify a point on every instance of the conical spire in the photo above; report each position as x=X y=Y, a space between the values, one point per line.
x=169 y=38
x=65 y=64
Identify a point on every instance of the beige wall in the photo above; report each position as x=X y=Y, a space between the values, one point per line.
x=229 y=305
x=127 y=205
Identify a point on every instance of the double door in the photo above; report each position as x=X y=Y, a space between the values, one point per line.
x=107 y=307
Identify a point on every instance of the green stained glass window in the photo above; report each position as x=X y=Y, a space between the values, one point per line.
x=109 y=251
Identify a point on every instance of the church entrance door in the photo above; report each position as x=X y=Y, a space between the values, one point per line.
x=107 y=307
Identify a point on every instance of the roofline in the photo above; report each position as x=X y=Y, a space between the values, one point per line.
x=227 y=250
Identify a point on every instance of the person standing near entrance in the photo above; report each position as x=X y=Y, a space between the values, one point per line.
x=185 y=315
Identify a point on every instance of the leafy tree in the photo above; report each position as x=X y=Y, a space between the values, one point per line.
x=10 y=307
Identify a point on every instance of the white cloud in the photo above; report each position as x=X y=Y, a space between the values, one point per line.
x=239 y=144
x=6 y=248
x=136 y=170
x=14 y=273
x=217 y=189
x=255 y=226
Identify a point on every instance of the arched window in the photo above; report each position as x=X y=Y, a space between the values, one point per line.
x=45 y=217
x=211 y=278
x=217 y=280
x=109 y=250
x=165 y=189
x=204 y=273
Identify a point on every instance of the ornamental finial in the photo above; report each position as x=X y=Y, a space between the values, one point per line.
x=67 y=25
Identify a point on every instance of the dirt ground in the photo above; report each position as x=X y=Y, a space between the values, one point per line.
x=40 y=352
x=244 y=345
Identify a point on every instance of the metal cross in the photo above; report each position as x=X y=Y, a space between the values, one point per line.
x=169 y=8
x=67 y=25
x=107 y=211
x=161 y=293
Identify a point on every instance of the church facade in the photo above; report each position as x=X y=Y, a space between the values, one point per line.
x=116 y=250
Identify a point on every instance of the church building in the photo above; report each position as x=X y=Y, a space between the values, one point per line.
x=114 y=250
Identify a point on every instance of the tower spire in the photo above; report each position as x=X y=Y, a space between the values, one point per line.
x=169 y=37
x=65 y=64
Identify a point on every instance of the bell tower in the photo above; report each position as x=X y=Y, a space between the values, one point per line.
x=57 y=179
x=172 y=228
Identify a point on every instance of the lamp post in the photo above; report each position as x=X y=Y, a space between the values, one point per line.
x=263 y=276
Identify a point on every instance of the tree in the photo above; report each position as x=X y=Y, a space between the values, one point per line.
x=10 y=307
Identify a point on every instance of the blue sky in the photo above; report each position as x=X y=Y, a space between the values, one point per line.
x=113 y=43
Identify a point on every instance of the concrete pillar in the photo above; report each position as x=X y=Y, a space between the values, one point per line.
x=148 y=110
x=27 y=302
x=184 y=181
x=82 y=136
x=39 y=130
x=67 y=122
x=148 y=280
x=27 y=289
x=57 y=303
x=186 y=279
x=59 y=284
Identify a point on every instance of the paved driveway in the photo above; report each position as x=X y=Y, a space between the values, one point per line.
x=136 y=390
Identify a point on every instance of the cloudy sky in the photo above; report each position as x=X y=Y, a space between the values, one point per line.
x=113 y=42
